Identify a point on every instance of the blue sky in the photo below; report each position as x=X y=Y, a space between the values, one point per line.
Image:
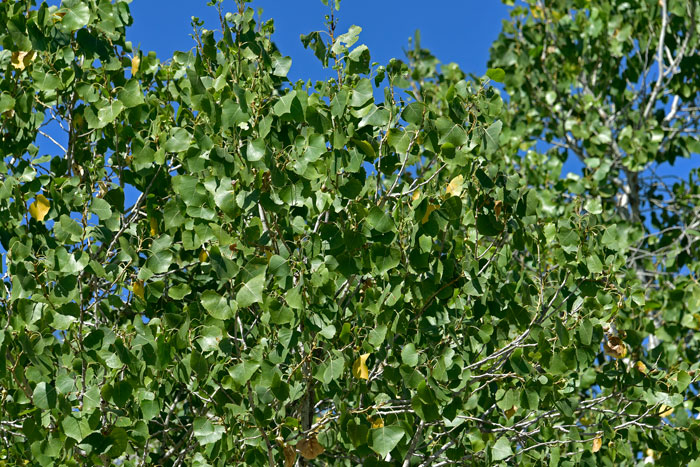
x=455 y=31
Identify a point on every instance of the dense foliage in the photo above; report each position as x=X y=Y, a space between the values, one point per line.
x=207 y=264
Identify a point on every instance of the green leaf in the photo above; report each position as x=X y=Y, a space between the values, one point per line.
x=385 y=258
x=206 y=432
x=334 y=370
x=160 y=262
x=251 y=292
x=76 y=17
x=131 y=94
x=46 y=81
x=385 y=439
x=101 y=208
x=232 y=114
x=454 y=135
x=315 y=148
x=343 y=41
x=108 y=113
x=496 y=74
x=7 y=102
x=361 y=94
x=44 y=396
x=76 y=428
x=281 y=65
x=492 y=135
x=255 y=150
x=487 y=224
x=501 y=450
x=409 y=355
x=683 y=380
x=377 y=117
x=179 y=141
x=376 y=336
x=119 y=440
x=216 y=305
x=413 y=112
x=380 y=220
x=121 y=393
x=585 y=331
x=242 y=372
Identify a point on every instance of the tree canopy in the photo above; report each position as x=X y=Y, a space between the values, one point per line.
x=207 y=264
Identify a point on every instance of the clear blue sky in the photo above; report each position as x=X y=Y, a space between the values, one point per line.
x=455 y=31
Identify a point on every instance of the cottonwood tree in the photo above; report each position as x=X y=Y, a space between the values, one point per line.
x=207 y=264
x=614 y=86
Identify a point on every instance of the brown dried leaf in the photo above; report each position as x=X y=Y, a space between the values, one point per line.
x=290 y=456
x=497 y=208
x=615 y=347
x=310 y=448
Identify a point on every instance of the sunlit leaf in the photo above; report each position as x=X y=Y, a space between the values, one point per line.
x=135 y=63
x=376 y=421
x=597 y=444
x=21 y=59
x=454 y=188
x=39 y=208
x=359 y=368
x=139 y=289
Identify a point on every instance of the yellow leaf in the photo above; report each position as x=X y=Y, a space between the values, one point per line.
x=454 y=188
x=203 y=255
x=359 y=368
x=641 y=367
x=586 y=420
x=139 y=289
x=510 y=412
x=665 y=411
x=615 y=347
x=290 y=456
x=376 y=421
x=40 y=207
x=135 y=62
x=431 y=208
x=154 y=226
x=597 y=444
x=416 y=195
x=21 y=59
x=310 y=448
